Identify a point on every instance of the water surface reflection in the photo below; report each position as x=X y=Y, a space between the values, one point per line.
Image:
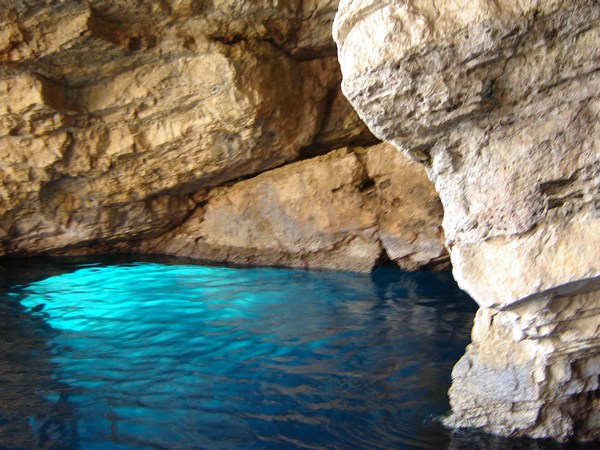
x=154 y=355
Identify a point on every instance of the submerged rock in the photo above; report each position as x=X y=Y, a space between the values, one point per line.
x=499 y=100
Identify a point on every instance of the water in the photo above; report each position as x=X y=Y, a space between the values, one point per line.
x=150 y=355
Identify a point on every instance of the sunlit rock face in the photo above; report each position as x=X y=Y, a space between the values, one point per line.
x=122 y=123
x=499 y=100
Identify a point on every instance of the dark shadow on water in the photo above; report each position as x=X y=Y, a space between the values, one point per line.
x=34 y=410
x=475 y=440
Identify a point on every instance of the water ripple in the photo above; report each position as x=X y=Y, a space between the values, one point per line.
x=150 y=355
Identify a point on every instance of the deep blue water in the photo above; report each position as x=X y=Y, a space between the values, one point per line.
x=151 y=355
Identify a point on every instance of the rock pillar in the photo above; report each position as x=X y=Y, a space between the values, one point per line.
x=500 y=101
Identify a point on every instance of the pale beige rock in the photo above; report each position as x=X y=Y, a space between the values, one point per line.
x=329 y=212
x=307 y=214
x=34 y=28
x=139 y=104
x=532 y=370
x=138 y=109
x=408 y=208
x=499 y=100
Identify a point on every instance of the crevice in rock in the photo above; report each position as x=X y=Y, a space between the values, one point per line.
x=174 y=224
x=299 y=158
x=230 y=40
x=442 y=262
x=321 y=146
x=133 y=34
x=237 y=39
x=384 y=259
x=313 y=150
x=567 y=80
x=421 y=154
x=554 y=187
x=571 y=190
x=367 y=185
x=584 y=408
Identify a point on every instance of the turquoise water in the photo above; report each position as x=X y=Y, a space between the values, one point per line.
x=136 y=355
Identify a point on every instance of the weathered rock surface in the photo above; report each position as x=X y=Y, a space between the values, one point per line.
x=500 y=101
x=346 y=210
x=408 y=209
x=115 y=118
x=118 y=119
x=532 y=369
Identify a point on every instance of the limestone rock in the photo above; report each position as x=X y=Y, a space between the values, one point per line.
x=341 y=126
x=473 y=90
x=120 y=118
x=304 y=214
x=116 y=117
x=329 y=212
x=408 y=208
x=37 y=28
x=499 y=100
x=532 y=370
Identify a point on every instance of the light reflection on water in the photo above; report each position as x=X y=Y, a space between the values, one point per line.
x=150 y=355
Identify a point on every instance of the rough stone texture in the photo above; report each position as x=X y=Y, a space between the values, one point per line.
x=38 y=28
x=532 y=369
x=499 y=100
x=409 y=210
x=338 y=211
x=306 y=214
x=114 y=118
x=118 y=119
x=341 y=127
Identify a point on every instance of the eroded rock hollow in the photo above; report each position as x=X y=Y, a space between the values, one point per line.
x=217 y=130
x=141 y=125
x=500 y=101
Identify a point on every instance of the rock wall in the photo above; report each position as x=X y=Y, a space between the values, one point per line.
x=500 y=101
x=351 y=209
x=119 y=119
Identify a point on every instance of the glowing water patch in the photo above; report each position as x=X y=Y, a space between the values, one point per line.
x=110 y=297
x=151 y=355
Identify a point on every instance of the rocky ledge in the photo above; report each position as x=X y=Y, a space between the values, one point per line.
x=499 y=100
x=352 y=209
